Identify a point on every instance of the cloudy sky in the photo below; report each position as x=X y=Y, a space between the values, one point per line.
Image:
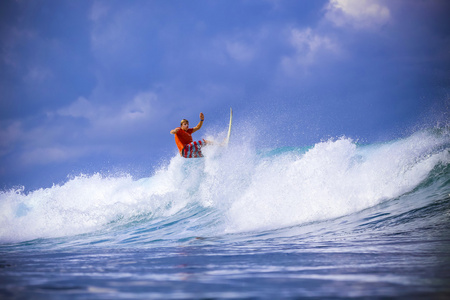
x=96 y=86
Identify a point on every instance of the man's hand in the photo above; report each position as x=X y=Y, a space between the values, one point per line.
x=199 y=125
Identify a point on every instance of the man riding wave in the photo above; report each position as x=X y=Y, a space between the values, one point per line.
x=183 y=138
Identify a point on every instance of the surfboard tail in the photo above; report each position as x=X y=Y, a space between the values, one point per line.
x=227 y=139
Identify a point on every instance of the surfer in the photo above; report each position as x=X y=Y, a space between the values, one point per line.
x=183 y=138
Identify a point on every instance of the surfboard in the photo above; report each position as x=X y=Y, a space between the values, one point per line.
x=229 y=128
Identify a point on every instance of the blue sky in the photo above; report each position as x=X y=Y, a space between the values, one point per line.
x=96 y=86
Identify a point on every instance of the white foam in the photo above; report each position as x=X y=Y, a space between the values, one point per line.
x=85 y=204
x=333 y=179
x=248 y=191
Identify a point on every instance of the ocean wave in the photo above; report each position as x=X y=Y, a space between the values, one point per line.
x=236 y=190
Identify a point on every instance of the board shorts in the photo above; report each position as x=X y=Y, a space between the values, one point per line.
x=193 y=149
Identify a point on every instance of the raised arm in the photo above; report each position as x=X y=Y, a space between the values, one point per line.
x=174 y=131
x=199 y=125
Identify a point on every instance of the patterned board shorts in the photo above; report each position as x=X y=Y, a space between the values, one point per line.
x=193 y=149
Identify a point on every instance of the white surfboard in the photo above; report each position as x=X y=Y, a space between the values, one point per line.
x=229 y=128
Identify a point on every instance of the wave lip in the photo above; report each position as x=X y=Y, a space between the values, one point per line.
x=333 y=179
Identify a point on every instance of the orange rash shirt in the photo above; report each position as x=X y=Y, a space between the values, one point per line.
x=182 y=138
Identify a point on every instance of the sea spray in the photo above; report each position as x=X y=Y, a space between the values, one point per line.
x=84 y=204
x=235 y=189
x=333 y=179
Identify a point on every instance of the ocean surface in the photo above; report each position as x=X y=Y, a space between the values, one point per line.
x=339 y=219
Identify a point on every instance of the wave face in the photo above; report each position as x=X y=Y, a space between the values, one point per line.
x=242 y=191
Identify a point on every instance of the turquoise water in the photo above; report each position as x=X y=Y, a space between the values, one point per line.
x=335 y=220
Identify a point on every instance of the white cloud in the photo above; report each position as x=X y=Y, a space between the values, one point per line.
x=309 y=48
x=46 y=144
x=81 y=108
x=98 y=10
x=140 y=109
x=245 y=46
x=113 y=32
x=38 y=74
x=306 y=42
x=11 y=40
x=9 y=136
x=240 y=51
x=51 y=154
x=357 y=13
